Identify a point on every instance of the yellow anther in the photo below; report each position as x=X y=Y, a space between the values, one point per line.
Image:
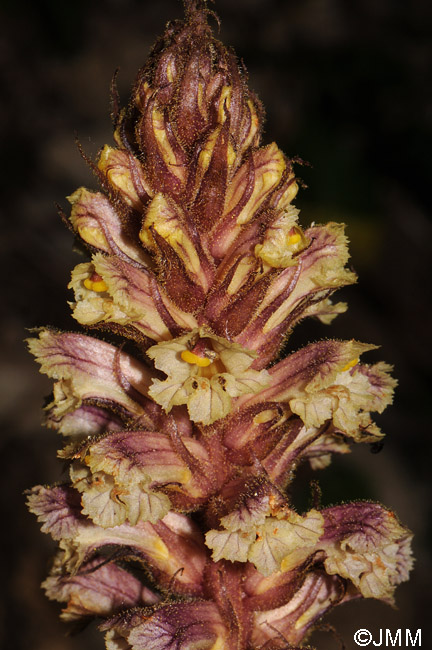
x=294 y=239
x=351 y=364
x=95 y=285
x=190 y=357
x=265 y=416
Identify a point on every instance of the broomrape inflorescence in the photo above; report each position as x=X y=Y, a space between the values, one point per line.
x=176 y=528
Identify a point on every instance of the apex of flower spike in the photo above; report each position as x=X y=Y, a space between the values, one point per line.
x=191 y=106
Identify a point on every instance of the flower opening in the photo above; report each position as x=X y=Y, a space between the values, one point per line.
x=204 y=372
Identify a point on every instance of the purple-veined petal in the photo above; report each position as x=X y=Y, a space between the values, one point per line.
x=88 y=369
x=318 y=593
x=58 y=509
x=100 y=226
x=125 y=470
x=173 y=548
x=365 y=543
x=181 y=626
x=324 y=382
x=98 y=589
x=313 y=366
x=87 y=420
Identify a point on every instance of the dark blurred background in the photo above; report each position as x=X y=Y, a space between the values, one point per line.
x=346 y=87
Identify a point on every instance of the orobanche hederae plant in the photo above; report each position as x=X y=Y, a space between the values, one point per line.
x=176 y=529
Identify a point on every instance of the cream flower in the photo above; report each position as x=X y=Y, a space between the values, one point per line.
x=109 y=290
x=356 y=391
x=204 y=372
x=283 y=241
x=272 y=538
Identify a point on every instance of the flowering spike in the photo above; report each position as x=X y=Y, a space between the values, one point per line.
x=197 y=255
